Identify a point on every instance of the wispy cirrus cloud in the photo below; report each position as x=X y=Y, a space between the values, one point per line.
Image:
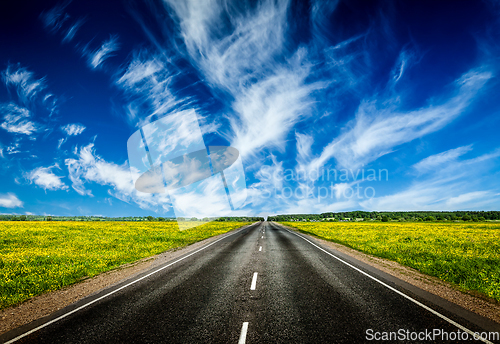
x=247 y=58
x=73 y=129
x=17 y=120
x=23 y=81
x=61 y=141
x=45 y=178
x=73 y=29
x=381 y=125
x=54 y=19
x=278 y=102
x=13 y=148
x=470 y=197
x=88 y=167
x=28 y=96
x=10 y=200
x=432 y=162
x=147 y=81
x=452 y=184
x=57 y=20
x=97 y=57
x=432 y=196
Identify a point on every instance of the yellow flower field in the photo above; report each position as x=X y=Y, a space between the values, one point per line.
x=36 y=257
x=465 y=254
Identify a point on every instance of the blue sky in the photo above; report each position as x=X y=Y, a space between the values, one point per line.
x=333 y=106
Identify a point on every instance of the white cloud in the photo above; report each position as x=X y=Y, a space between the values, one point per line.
x=54 y=18
x=206 y=198
x=10 y=200
x=433 y=161
x=378 y=129
x=432 y=196
x=147 y=81
x=277 y=102
x=466 y=198
x=244 y=63
x=321 y=20
x=304 y=144
x=447 y=188
x=61 y=142
x=24 y=81
x=97 y=57
x=421 y=196
x=405 y=60
x=73 y=129
x=17 y=120
x=14 y=148
x=246 y=53
x=71 y=32
x=46 y=179
x=89 y=167
x=27 y=97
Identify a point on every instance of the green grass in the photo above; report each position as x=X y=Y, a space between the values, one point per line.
x=464 y=254
x=36 y=257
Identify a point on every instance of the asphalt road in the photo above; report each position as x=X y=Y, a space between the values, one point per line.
x=264 y=281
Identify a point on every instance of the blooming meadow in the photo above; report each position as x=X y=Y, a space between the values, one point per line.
x=36 y=257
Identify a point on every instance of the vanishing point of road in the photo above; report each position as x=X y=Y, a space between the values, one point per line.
x=259 y=284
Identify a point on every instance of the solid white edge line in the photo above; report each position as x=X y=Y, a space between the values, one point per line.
x=243 y=334
x=114 y=291
x=395 y=290
x=254 y=281
x=260 y=248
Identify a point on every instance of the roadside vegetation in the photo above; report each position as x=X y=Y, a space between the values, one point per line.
x=464 y=254
x=36 y=257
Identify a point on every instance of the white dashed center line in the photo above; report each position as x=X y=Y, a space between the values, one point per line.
x=260 y=248
x=254 y=281
x=243 y=335
x=262 y=237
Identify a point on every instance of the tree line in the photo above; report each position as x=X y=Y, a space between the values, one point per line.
x=126 y=218
x=401 y=216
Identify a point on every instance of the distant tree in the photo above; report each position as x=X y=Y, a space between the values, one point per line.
x=481 y=218
x=150 y=218
x=466 y=217
x=430 y=218
x=22 y=218
x=385 y=218
x=48 y=218
x=161 y=219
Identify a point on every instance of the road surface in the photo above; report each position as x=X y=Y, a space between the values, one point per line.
x=260 y=284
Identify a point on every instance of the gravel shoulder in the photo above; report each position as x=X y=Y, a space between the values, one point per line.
x=481 y=305
x=45 y=304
